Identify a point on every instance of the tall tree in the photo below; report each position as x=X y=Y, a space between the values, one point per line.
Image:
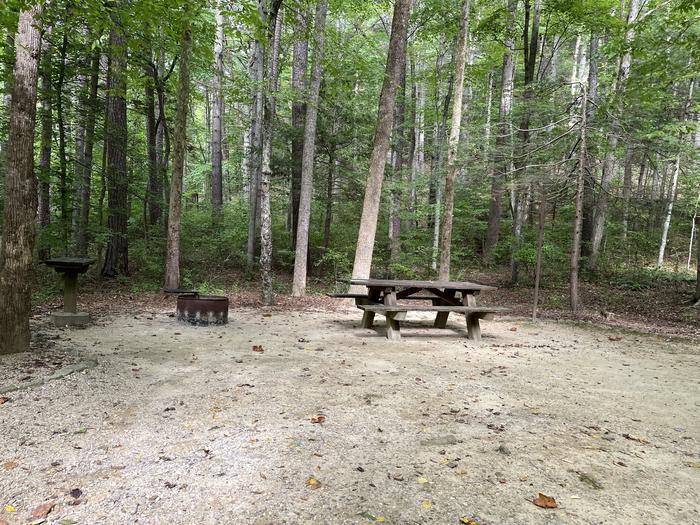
x=613 y=137
x=309 y=153
x=117 y=254
x=172 y=259
x=453 y=145
x=217 y=198
x=578 y=218
x=502 y=138
x=46 y=144
x=385 y=116
x=17 y=249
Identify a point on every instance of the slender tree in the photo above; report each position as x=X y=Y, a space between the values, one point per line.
x=217 y=198
x=172 y=260
x=45 y=148
x=385 y=117
x=309 y=153
x=453 y=144
x=18 y=236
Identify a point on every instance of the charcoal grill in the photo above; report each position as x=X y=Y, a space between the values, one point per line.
x=201 y=310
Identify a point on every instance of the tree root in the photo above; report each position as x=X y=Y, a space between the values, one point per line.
x=58 y=374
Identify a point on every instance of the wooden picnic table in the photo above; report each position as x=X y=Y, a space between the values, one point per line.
x=383 y=296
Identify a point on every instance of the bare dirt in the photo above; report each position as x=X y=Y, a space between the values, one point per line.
x=332 y=423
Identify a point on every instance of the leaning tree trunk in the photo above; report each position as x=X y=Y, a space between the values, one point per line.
x=612 y=139
x=45 y=148
x=172 y=258
x=502 y=140
x=453 y=145
x=578 y=220
x=269 y=107
x=16 y=252
x=309 y=152
x=217 y=196
x=117 y=254
x=370 y=209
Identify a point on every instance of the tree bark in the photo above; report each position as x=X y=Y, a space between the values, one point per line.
x=612 y=139
x=257 y=73
x=453 y=145
x=578 y=220
x=19 y=214
x=269 y=104
x=502 y=139
x=172 y=259
x=45 y=148
x=627 y=190
x=300 y=58
x=589 y=176
x=63 y=190
x=154 y=192
x=309 y=152
x=88 y=153
x=370 y=208
x=217 y=196
x=117 y=253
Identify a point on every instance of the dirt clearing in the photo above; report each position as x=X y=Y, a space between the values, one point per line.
x=330 y=423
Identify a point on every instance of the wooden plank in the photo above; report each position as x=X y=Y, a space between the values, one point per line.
x=368 y=316
x=473 y=325
x=445 y=298
x=382 y=308
x=393 y=324
x=399 y=283
x=346 y=295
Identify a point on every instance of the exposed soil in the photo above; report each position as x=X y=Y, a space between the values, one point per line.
x=332 y=423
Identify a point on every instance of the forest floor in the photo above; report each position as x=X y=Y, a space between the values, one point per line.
x=161 y=422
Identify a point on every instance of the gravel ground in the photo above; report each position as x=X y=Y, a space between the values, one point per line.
x=332 y=423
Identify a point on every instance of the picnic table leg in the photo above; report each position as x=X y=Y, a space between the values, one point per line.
x=441 y=317
x=473 y=326
x=393 y=325
x=368 y=317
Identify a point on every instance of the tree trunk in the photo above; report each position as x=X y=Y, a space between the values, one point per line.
x=88 y=152
x=540 y=244
x=172 y=259
x=45 y=148
x=589 y=176
x=117 y=254
x=453 y=145
x=328 y=216
x=612 y=139
x=578 y=220
x=370 y=209
x=627 y=190
x=63 y=190
x=309 y=152
x=299 y=62
x=502 y=140
x=153 y=192
x=269 y=103
x=217 y=196
x=257 y=67
x=19 y=214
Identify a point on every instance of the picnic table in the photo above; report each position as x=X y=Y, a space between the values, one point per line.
x=445 y=297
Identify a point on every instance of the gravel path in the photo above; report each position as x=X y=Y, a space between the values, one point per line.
x=332 y=423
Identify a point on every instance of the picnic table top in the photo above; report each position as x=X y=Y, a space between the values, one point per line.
x=402 y=283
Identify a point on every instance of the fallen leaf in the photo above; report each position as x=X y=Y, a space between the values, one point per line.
x=10 y=508
x=422 y=480
x=514 y=329
x=76 y=493
x=637 y=439
x=546 y=502
x=4 y=400
x=313 y=483
x=615 y=338
x=426 y=504
x=372 y=517
x=318 y=419
x=67 y=521
x=43 y=510
x=258 y=348
x=9 y=465
x=468 y=521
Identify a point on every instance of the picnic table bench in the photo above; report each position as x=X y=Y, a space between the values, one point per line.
x=383 y=296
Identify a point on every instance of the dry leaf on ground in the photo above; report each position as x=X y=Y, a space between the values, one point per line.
x=43 y=510
x=313 y=483
x=9 y=465
x=318 y=419
x=426 y=504
x=4 y=400
x=546 y=502
x=258 y=348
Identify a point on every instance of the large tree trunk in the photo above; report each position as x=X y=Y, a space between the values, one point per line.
x=153 y=193
x=309 y=152
x=257 y=68
x=273 y=48
x=16 y=251
x=45 y=148
x=612 y=139
x=503 y=158
x=589 y=176
x=217 y=196
x=299 y=61
x=117 y=254
x=88 y=152
x=63 y=185
x=370 y=209
x=453 y=145
x=172 y=259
